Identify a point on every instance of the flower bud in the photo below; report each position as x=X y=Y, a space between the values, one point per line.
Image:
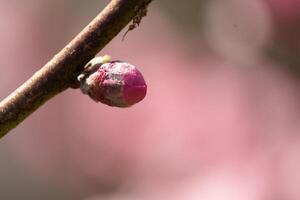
x=114 y=83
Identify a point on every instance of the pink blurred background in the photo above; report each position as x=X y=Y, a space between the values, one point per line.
x=220 y=120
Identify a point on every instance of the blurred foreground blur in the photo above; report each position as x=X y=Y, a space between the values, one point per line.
x=220 y=120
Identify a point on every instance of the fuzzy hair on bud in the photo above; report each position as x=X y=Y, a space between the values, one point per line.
x=114 y=83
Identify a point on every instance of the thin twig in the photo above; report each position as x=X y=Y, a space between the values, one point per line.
x=61 y=71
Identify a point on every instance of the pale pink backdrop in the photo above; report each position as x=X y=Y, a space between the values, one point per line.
x=220 y=120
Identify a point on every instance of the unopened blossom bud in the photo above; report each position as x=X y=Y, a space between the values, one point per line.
x=114 y=83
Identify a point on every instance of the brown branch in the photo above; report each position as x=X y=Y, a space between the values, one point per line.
x=61 y=71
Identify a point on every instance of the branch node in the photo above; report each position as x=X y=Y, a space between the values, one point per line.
x=137 y=19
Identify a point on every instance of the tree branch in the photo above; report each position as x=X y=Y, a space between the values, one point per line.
x=61 y=71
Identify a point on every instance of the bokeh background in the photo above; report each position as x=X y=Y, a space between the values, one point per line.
x=220 y=120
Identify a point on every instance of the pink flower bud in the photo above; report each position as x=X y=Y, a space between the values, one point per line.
x=115 y=83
